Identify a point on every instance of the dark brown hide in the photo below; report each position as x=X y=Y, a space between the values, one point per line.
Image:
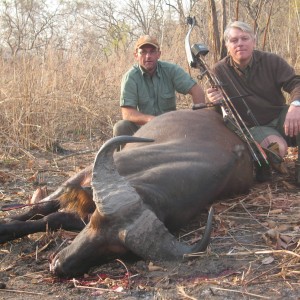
x=194 y=161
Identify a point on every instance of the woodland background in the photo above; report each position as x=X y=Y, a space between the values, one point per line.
x=61 y=62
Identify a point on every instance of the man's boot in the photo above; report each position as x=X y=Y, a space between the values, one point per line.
x=276 y=161
x=263 y=172
x=297 y=172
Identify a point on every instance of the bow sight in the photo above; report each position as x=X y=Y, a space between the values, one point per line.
x=199 y=50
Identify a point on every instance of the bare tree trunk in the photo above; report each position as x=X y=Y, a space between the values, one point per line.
x=215 y=30
x=255 y=26
x=237 y=9
x=267 y=27
x=223 y=50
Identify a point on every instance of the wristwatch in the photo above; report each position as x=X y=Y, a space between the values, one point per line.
x=201 y=105
x=296 y=103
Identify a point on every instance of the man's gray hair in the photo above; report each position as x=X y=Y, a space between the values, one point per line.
x=240 y=25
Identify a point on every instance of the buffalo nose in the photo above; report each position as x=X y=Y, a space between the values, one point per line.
x=55 y=267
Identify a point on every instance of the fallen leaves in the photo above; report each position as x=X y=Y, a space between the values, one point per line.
x=4 y=177
x=267 y=260
x=288 y=186
x=39 y=194
x=152 y=267
x=278 y=240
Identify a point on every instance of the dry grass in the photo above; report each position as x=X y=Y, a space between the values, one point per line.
x=55 y=99
x=60 y=96
x=63 y=97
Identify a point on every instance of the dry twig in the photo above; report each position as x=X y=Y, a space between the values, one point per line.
x=182 y=293
x=241 y=292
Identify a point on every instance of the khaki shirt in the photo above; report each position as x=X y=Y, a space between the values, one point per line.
x=154 y=95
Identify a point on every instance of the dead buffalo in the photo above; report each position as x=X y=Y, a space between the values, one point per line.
x=145 y=191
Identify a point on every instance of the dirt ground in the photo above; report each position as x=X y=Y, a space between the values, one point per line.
x=254 y=251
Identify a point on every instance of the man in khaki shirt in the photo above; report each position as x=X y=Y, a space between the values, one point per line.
x=148 y=88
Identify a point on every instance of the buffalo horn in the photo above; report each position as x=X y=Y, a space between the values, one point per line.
x=112 y=192
x=149 y=238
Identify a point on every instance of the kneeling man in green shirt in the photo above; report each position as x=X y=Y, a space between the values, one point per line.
x=148 y=88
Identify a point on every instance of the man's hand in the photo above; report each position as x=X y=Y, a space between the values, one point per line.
x=133 y=115
x=214 y=94
x=292 y=121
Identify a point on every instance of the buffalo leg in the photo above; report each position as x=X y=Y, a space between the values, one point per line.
x=58 y=220
x=38 y=211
